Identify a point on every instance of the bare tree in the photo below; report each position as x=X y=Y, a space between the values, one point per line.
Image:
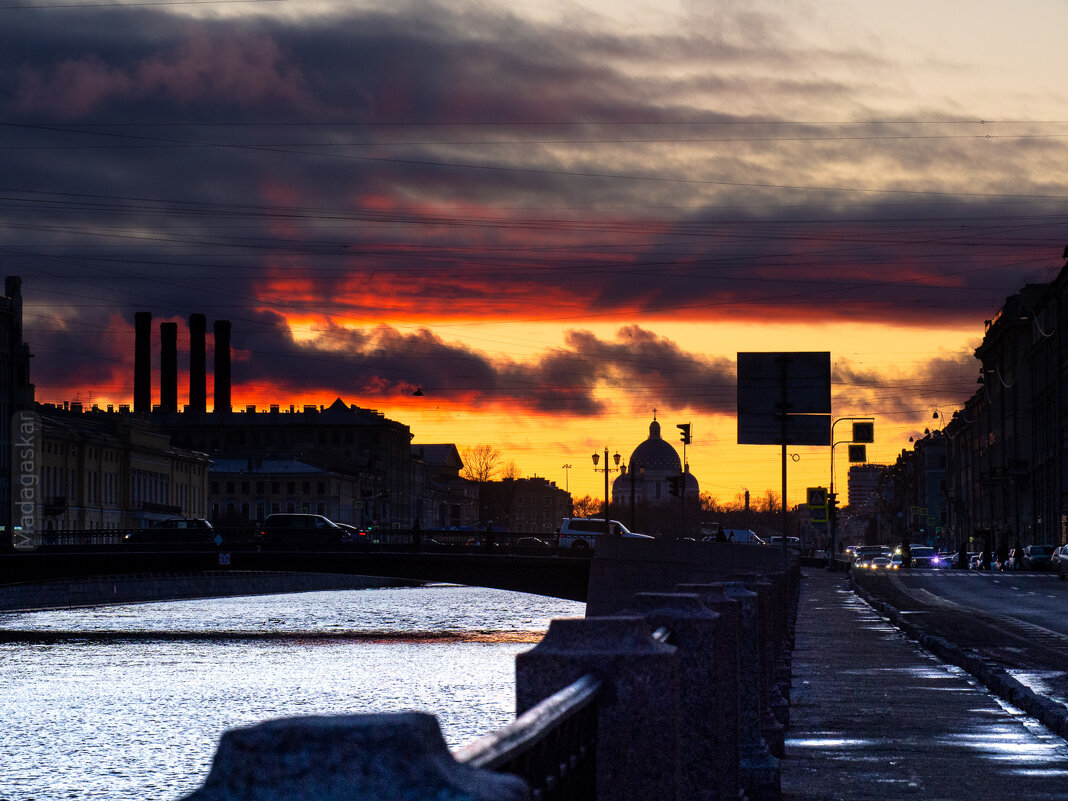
x=480 y=463
x=768 y=503
x=586 y=506
x=511 y=470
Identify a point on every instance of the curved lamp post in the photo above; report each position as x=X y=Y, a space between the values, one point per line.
x=606 y=470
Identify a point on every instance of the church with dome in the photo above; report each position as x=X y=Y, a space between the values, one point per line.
x=644 y=477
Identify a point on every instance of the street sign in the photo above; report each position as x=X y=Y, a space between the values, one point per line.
x=817 y=496
x=858 y=453
x=803 y=378
x=863 y=432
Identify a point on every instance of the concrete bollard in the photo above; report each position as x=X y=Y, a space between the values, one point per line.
x=759 y=769
x=708 y=756
x=391 y=757
x=755 y=649
x=637 y=723
x=771 y=605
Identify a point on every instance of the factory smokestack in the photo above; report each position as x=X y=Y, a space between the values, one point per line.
x=198 y=388
x=222 y=366
x=143 y=362
x=168 y=367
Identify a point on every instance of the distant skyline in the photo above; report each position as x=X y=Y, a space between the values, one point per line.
x=550 y=219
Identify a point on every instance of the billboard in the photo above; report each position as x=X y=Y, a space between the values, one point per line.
x=803 y=378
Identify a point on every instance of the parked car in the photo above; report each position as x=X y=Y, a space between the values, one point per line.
x=775 y=541
x=183 y=522
x=180 y=532
x=302 y=530
x=1037 y=557
x=1059 y=561
x=580 y=534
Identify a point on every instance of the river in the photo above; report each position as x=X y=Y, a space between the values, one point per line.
x=128 y=702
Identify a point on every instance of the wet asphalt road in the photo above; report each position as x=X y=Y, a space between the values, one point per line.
x=873 y=716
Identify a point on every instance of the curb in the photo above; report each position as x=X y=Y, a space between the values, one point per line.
x=1050 y=713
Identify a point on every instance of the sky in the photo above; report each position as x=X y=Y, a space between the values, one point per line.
x=550 y=220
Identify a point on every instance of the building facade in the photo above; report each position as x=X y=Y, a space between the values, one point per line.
x=358 y=447
x=996 y=475
x=109 y=470
x=16 y=393
x=244 y=491
x=525 y=505
x=448 y=501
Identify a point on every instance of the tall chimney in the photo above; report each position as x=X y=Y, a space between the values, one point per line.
x=222 y=366
x=168 y=367
x=143 y=362
x=198 y=388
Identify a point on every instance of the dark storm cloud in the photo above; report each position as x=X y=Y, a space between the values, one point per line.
x=461 y=163
x=940 y=384
x=384 y=362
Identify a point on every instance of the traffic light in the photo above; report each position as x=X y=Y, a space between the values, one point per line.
x=832 y=504
x=675 y=483
x=685 y=428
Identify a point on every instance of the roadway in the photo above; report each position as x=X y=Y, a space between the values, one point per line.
x=874 y=717
x=1037 y=599
x=1014 y=621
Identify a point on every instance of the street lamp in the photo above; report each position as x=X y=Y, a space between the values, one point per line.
x=862 y=433
x=566 y=468
x=606 y=470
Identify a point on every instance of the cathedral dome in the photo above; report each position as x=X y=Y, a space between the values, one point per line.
x=656 y=454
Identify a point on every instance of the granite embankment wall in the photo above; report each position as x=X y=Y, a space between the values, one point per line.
x=101 y=590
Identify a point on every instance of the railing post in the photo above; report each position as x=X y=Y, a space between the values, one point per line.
x=708 y=711
x=759 y=770
x=771 y=602
x=342 y=758
x=637 y=723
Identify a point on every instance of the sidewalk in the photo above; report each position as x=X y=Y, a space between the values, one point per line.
x=875 y=717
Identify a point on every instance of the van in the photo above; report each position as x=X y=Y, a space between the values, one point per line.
x=580 y=534
x=302 y=530
x=743 y=535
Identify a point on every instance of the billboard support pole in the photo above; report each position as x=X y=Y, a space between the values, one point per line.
x=784 y=361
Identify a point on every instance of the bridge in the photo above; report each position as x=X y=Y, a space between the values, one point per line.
x=519 y=563
x=674 y=686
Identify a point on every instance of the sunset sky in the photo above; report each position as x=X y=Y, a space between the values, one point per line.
x=551 y=218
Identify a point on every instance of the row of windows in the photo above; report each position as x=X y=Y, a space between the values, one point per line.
x=545 y=501
x=261 y=487
x=262 y=509
x=283 y=437
x=103 y=488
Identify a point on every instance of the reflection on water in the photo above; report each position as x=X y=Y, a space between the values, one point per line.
x=128 y=702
